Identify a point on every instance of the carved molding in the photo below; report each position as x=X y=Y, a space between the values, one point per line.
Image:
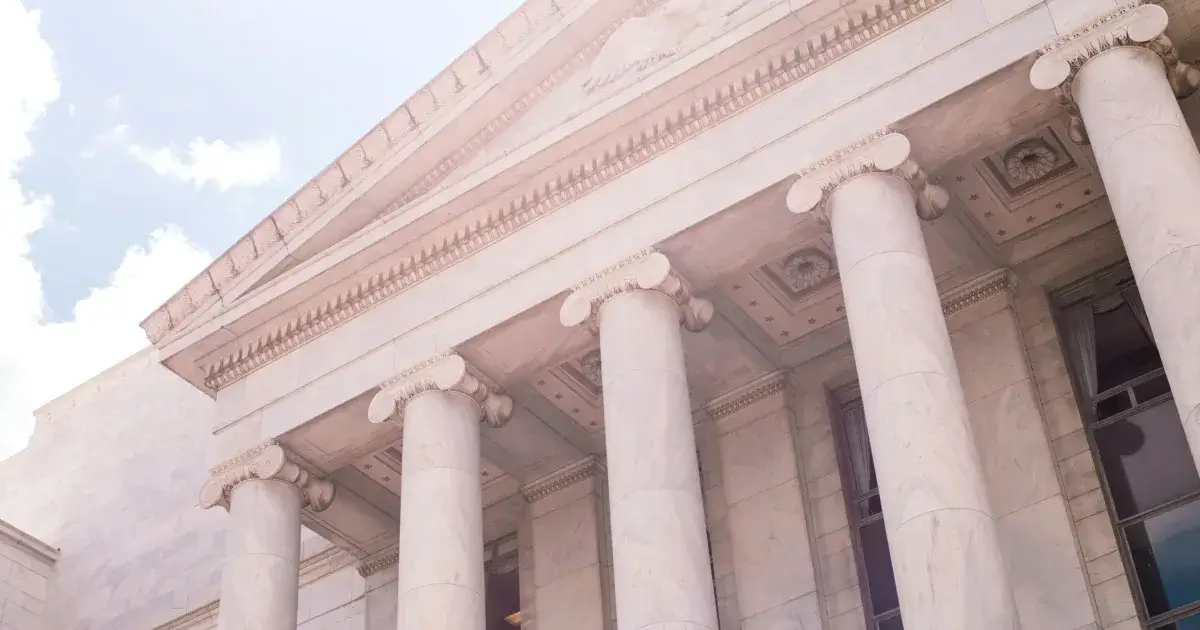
x=577 y=180
x=265 y=461
x=746 y=397
x=646 y=271
x=880 y=152
x=448 y=373
x=989 y=285
x=586 y=468
x=1135 y=24
x=381 y=562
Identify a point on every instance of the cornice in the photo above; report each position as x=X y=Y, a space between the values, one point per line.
x=998 y=282
x=758 y=391
x=447 y=372
x=562 y=478
x=648 y=270
x=1134 y=24
x=381 y=561
x=11 y=535
x=397 y=131
x=268 y=460
x=577 y=180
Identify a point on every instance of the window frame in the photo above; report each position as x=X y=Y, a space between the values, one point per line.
x=840 y=400
x=1103 y=285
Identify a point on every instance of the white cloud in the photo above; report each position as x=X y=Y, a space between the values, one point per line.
x=117 y=137
x=39 y=360
x=244 y=164
x=113 y=102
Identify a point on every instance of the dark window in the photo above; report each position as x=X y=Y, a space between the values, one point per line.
x=876 y=580
x=502 y=598
x=1142 y=455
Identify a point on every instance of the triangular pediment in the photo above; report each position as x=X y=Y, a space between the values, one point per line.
x=409 y=154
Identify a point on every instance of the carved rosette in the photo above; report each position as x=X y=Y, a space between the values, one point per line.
x=265 y=461
x=1136 y=24
x=881 y=152
x=646 y=271
x=448 y=373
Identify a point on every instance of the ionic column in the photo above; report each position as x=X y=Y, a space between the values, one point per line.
x=440 y=404
x=945 y=550
x=1120 y=79
x=264 y=491
x=662 y=573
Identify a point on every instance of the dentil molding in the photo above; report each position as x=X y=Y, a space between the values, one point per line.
x=448 y=373
x=747 y=396
x=989 y=285
x=586 y=468
x=880 y=152
x=1135 y=24
x=646 y=271
x=265 y=461
x=574 y=180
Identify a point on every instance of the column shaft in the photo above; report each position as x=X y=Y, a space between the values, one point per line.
x=944 y=545
x=441 y=582
x=660 y=552
x=260 y=579
x=1151 y=171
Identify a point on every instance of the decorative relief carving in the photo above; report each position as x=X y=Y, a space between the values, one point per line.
x=579 y=180
x=646 y=271
x=1135 y=24
x=265 y=461
x=566 y=477
x=1030 y=161
x=987 y=286
x=590 y=368
x=448 y=373
x=882 y=152
x=668 y=31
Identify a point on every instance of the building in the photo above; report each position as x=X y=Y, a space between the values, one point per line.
x=694 y=314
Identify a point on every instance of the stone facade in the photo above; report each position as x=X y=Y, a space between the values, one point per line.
x=26 y=573
x=676 y=314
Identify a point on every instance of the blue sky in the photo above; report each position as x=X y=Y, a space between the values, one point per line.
x=139 y=138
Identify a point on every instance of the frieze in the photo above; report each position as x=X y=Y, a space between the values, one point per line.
x=578 y=180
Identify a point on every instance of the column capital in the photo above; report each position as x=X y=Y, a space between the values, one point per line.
x=449 y=373
x=1137 y=25
x=648 y=270
x=266 y=461
x=881 y=152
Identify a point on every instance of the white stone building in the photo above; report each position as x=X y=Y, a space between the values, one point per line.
x=680 y=315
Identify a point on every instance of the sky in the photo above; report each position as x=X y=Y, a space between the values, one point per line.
x=140 y=138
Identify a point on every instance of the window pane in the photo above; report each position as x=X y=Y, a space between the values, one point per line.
x=895 y=624
x=502 y=598
x=1146 y=460
x=869 y=507
x=1123 y=351
x=881 y=582
x=1152 y=388
x=1113 y=405
x=1166 y=558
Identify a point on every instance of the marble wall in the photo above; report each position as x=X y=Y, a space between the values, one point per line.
x=26 y=574
x=110 y=478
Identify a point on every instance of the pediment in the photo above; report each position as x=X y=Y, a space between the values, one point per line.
x=405 y=157
x=648 y=38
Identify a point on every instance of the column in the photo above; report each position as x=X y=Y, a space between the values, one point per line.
x=440 y=404
x=945 y=549
x=264 y=491
x=1120 y=80
x=662 y=572
x=570 y=549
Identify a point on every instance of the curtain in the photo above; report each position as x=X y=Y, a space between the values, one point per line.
x=1134 y=300
x=859 y=445
x=1081 y=342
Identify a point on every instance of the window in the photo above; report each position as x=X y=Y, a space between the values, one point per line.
x=502 y=595
x=876 y=580
x=1142 y=456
